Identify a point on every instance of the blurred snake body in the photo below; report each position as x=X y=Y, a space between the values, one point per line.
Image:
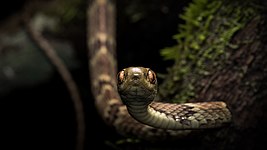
x=125 y=99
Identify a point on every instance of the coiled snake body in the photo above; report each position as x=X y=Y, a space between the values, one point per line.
x=137 y=88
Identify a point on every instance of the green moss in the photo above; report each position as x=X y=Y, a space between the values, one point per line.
x=201 y=43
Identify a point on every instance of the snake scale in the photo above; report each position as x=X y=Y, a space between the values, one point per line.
x=125 y=99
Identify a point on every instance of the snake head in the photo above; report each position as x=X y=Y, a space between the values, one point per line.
x=137 y=84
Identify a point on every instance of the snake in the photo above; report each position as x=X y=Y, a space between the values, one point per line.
x=125 y=99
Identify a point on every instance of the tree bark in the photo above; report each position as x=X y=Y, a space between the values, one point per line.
x=241 y=83
x=239 y=80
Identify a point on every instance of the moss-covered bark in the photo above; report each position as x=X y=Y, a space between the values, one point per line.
x=221 y=56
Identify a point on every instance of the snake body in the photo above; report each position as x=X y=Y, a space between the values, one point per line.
x=125 y=100
x=138 y=88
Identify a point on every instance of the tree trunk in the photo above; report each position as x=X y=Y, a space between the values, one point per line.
x=237 y=76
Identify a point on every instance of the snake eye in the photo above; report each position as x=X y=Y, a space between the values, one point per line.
x=151 y=76
x=121 y=76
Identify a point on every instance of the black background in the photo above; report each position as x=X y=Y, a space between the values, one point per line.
x=43 y=117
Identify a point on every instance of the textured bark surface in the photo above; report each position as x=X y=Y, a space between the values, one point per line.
x=240 y=81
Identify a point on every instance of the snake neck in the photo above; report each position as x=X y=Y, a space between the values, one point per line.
x=145 y=113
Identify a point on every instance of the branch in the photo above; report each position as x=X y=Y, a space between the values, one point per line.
x=66 y=76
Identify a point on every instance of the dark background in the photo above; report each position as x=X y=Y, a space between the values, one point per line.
x=42 y=117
